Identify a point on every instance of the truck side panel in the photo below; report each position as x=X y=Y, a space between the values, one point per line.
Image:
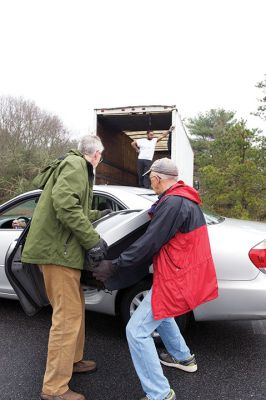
x=181 y=151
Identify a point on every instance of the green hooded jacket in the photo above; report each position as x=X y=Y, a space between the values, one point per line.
x=61 y=228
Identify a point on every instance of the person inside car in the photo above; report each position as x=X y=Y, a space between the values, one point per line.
x=19 y=223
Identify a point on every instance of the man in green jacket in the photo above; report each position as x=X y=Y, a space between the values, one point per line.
x=60 y=235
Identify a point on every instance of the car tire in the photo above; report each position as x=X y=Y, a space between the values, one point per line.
x=131 y=300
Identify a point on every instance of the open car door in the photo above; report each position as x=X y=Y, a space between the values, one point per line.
x=119 y=229
x=26 y=279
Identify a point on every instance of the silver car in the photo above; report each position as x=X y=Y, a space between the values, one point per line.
x=238 y=247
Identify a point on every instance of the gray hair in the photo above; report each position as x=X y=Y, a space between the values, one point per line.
x=163 y=176
x=89 y=144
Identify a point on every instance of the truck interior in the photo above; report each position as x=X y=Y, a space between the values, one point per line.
x=118 y=128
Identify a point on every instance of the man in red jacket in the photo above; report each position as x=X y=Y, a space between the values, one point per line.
x=184 y=277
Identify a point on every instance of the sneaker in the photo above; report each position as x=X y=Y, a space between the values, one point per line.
x=170 y=396
x=188 y=365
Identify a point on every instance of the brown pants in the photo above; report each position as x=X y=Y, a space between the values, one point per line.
x=67 y=333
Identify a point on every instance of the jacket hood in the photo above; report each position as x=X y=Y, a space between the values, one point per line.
x=73 y=152
x=181 y=189
x=42 y=178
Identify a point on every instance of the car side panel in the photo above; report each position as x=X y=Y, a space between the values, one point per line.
x=230 y=242
x=236 y=300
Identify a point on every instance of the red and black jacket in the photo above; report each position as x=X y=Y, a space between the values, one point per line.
x=177 y=243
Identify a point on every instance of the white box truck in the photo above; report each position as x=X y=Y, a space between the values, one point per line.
x=117 y=127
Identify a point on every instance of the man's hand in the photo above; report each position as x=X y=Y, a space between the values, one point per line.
x=135 y=146
x=106 y=212
x=104 y=270
x=95 y=255
x=171 y=128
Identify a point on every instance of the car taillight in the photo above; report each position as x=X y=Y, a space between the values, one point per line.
x=258 y=254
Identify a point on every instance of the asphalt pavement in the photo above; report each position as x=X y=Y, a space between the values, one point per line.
x=231 y=359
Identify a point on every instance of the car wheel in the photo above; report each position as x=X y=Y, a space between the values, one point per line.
x=132 y=299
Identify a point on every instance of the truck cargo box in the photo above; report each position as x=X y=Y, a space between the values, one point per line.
x=118 y=127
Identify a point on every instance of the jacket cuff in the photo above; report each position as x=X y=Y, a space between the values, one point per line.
x=115 y=265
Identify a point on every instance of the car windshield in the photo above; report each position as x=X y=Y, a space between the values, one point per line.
x=212 y=219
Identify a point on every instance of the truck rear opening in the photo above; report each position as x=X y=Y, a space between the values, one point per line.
x=118 y=127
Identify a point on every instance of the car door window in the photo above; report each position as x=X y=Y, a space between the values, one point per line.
x=22 y=211
x=102 y=202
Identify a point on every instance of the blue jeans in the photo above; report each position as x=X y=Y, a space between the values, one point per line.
x=143 y=351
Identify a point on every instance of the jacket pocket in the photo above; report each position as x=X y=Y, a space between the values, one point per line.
x=66 y=243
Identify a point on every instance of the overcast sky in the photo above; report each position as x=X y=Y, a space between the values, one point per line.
x=71 y=56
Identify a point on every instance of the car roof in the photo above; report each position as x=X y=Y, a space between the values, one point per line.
x=130 y=189
x=129 y=196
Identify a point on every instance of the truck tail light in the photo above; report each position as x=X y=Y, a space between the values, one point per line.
x=258 y=255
